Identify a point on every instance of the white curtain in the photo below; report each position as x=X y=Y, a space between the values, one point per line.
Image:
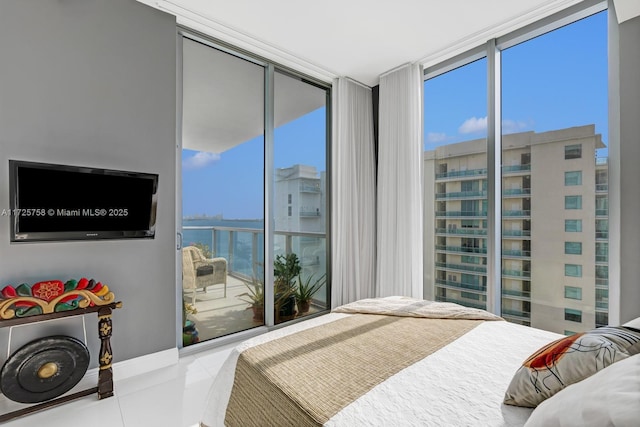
x=400 y=164
x=353 y=194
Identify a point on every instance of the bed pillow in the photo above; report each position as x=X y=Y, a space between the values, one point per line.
x=607 y=398
x=569 y=360
x=635 y=323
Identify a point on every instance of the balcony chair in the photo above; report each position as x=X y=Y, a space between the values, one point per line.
x=199 y=272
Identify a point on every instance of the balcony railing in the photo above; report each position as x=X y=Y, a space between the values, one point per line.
x=450 y=214
x=516 y=192
x=309 y=212
x=516 y=233
x=242 y=247
x=457 y=174
x=306 y=188
x=462 y=249
x=462 y=195
x=515 y=273
x=516 y=313
x=602 y=234
x=602 y=258
x=516 y=253
x=461 y=302
x=516 y=293
x=602 y=212
x=602 y=188
x=517 y=213
x=515 y=168
x=461 y=285
x=462 y=231
x=462 y=267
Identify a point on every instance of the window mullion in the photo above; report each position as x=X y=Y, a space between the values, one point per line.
x=269 y=184
x=494 y=181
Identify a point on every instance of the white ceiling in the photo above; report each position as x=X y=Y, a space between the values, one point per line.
x=360 y=39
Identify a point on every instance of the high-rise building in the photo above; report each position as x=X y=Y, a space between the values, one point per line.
x=554 y=253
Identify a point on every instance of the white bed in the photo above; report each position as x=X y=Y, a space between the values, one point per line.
x=462 y=383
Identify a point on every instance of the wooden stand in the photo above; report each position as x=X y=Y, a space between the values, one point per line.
x=93 y=298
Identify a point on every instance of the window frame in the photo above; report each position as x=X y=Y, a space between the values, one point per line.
x=492 y=51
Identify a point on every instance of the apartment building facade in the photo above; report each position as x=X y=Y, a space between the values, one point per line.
x=554 y=241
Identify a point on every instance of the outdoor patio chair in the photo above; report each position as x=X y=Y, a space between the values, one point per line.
x=199 y=272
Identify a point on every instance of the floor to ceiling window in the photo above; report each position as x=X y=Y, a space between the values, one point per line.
x=300 y=207
x=254 y=220
x=551 y=259
x=455 y=160
x=554 y=177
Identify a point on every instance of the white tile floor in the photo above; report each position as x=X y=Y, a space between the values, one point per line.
x=170 y=397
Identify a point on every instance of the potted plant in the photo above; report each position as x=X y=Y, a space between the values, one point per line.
x=255 y=297
x=306 y=289
x=189 y=330
x=285 y=270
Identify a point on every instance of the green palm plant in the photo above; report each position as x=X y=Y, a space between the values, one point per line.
x=255 y=298
x=306 y=289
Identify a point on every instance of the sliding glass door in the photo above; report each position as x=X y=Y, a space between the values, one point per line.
x=254 y=197
x=222 y=192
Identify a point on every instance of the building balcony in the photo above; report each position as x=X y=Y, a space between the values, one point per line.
x=515 y=233
x=517 y=213
x=461 y=214
x=517 y=314
x=602 y=258
x=602 y=235
x=462 y=267
x=518 y=294
x=462 y=231
x=516 y=253
x=602 y=305
x=462 y=195
x=602 y=283
x=306 y=188
x=516 y=192
x=602 y=212
x=514 y=169
x=461 y=285
x=306 y=213
x=515 y=274
x=461 y=249
x=461 y=174
x=471 y=304
x=602 y=188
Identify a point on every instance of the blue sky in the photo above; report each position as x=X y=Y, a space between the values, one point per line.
x=555 y=81
x=231 y=183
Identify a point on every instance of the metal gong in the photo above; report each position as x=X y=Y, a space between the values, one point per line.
x=43 y=369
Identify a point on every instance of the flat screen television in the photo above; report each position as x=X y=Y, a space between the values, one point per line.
x=52 y=202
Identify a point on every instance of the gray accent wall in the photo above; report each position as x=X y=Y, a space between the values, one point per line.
x=629 y=116
x=93 y=83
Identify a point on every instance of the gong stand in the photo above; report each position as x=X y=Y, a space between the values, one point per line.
x=55 y=300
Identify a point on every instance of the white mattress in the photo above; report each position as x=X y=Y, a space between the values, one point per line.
x=462 y=384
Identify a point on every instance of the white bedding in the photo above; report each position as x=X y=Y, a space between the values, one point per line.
x=462 y=384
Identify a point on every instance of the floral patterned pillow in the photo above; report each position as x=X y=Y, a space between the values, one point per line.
x=569 y=360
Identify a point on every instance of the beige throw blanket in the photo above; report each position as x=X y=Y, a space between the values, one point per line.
x=305 y=378
x=411 y=307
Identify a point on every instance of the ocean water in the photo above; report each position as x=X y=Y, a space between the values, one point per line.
x=239 y=252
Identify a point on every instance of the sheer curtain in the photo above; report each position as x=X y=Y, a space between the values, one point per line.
x=353 y=194
x=400 y=210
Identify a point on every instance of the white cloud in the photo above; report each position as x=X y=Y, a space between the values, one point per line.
x=435 y=137
x=473 y=125
x=200 y=160
x=513 y=126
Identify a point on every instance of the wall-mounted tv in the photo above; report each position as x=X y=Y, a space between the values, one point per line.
x=52 y=202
